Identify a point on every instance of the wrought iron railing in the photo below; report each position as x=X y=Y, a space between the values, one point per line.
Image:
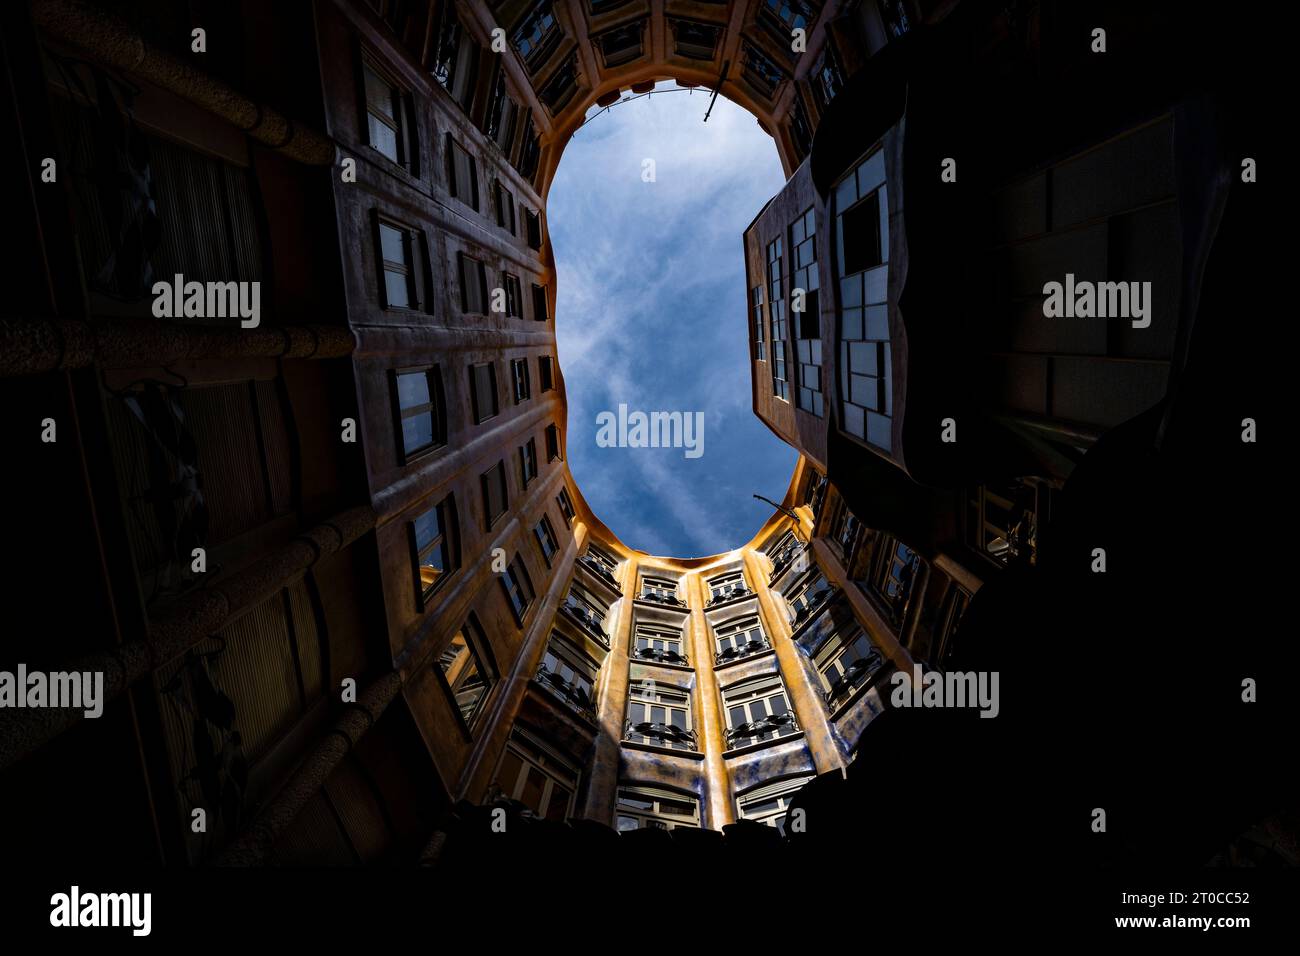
x=587 y=619
x=599 y=570
x=659 y=597
x=668 y=735
x=573 y=694
x=765 y=728
x=661 y=655
x=729 y=594
x=741 y=651
x=812 y=603
x=855 y=675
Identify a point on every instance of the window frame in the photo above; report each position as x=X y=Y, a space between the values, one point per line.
x=485 y=480
x=448 y=540
x=476 y=413
x=479 y=651
x=436 y=407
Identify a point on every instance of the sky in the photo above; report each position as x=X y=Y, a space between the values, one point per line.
x=651 y=313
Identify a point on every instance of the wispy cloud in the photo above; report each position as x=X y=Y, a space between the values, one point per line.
x=651 y=312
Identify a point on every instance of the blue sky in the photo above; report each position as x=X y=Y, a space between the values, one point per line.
x=651 y=313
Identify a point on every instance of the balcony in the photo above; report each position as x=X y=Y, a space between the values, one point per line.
x=729 y=594
x=661 y=656
x=667 y=735
x=765 y=728
x=599 y=570
x=587 y=619
x=571 y=693
x=810 y=606
x=740 y=652
x=855 y=676
x=660 y=597
x=783 y=558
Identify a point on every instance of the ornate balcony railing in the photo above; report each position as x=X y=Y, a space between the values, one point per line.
x=599 y=570
x=781 y=560
x=587 y=619
x=661 y=656
x=668 y=735
x=857 y=674
x=658 y=597
x=814 y=601
x=575 y=695
x=741 y=651
x=729 y=594
x=765 y=728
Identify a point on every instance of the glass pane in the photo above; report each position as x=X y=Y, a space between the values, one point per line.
x=396 y=289
x=417 y=432
x=412 y=389
x=392 y=243
x=533 y=787
x=383 y=138
x=379 y=95
x=426 y=528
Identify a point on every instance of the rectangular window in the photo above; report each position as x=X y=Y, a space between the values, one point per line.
x=570 y=675
x=514 y=298
x=588 y=611
x=530 y=153
x=739 y=638
x=770 y=803
x=519 y=379
x=505 y=207
x=659 y=714
x=455 y=57
x=804 y=285
x=659 y=644
x=495 y=496
x=537 y=35
x=724 y=587
x=896 y=568
x=501 y=115
x=468 y=671
x=533 y=222
x=556 y=92
x=537 y=778
x=539 y=304
x=648 y=807
x=763 y=75
x=528 y=461
x=552 y=443
x=826 y=78
x=756 y=307
x=566 y=506
x=421 y=410
x=518 y=587
x=660 y=590
x=806 y=597
x=847 y=661
x=862 y=241
x=473 y=286
x=545 y=376
x=776 y=306
x=695 y=41
x=462 y=174
x=386 y=131
x=545 y=535
x=757 y=711
x=397 y=263
x=483 y=391
x=622 y=44
x=435 y=540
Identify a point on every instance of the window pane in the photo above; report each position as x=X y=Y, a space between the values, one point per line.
x=396 y=289
x=391 y=242
x=426 y=528
x=417 y=433
x=412 y=389
x=383 y=138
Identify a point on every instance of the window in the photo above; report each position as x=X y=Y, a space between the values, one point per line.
x=659 y=714
x=756 y=305
x=533 y=224
x=537 y=778
x=847 y=661
x=896 y=569
x=607 y=563
x=531 y=152
x=894 y=15
x=588 y=610
x=807 y=321
x=658 y=644
x=473 y=285
x=622 y=44
x=645 y=807
x=518 y=587
x=695 y=41
x=757 y=711
x=544 y=375
x=566 y=506
x=552 y=442
x=435 y=540
x=537 y=34
x=1002 y=520
x=528 y=461
x=421 y=410
x=397 y=263
x=495 y=496
x=545 y=535
x=539 y=302
x=569 y=674
x=662 y=590
x=501 y=115
x=468 y=671
x=483 y=391
x=385 y=112
x=792 y=14
x=826 y=77
x=739 y=638
x=519 y=379
x=455 y=57
x=559 y=89
x=505 y=207
x=800 y=134
x=806 y=597
x=776 y=305
x=727 y=586
x=862 y=240
x=514 y=303
x=763 y=75
x=462 y=174
x=770 y=803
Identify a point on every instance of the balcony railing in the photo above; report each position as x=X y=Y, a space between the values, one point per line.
x=857 y=674
x=741 y=651
x=573 y=694
x=599 y=570
x=781 y=560
x=669 y=735
x=672 y=600
x=729 y=594
x=663 y=656
x=815 y=600
x=587 y=619
x=765 y=728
